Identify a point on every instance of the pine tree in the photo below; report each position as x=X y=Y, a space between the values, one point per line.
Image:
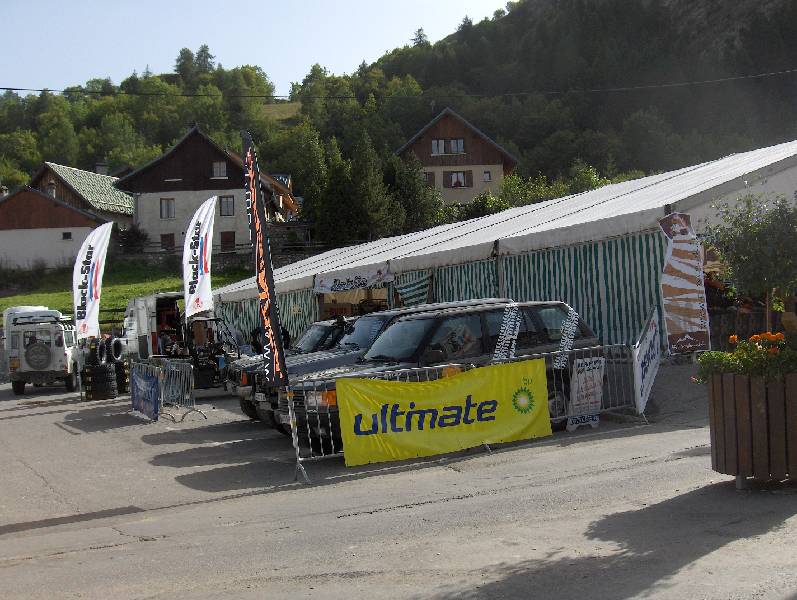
x=379 y=214
x=420 y=38
x=335 y=211
x=204 y=60
x=421 y=203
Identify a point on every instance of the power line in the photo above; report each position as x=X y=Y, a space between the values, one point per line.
x=627 y=88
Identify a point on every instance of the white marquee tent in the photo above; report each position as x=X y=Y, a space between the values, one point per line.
x=584 y=249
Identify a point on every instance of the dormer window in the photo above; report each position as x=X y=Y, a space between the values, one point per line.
x=220 y=169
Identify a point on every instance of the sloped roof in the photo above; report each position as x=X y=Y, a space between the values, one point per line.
x=449 y=111
x=269 y=181
x=98 y=190
x=80 y=211
x=613 y=210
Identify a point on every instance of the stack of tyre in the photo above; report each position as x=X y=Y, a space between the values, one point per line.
x=105 y=375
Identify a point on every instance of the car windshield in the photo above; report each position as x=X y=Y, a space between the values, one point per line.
x=363 y=332
x=401 y=340
x=553 y=320
x=312 y=339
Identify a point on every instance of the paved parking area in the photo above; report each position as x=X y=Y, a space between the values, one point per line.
x=95 y=503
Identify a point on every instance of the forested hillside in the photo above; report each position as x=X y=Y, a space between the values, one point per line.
x=581 y=91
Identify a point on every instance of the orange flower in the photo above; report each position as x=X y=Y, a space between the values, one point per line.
x=779 y=336
x=771 y=336
x=774 y=350
x=734 y=339
x=755 y=338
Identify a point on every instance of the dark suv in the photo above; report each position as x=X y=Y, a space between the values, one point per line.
x=351 y=348
x=322 y=335
x=466 y=335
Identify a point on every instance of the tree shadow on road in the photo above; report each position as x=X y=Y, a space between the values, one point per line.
x=646 y=547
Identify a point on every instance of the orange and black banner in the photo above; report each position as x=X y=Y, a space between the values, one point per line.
x=273 y=353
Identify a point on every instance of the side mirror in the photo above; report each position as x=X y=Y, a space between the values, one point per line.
x=432 y=357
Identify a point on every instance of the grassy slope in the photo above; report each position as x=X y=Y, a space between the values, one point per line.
x=120 y=283
x=283 y=111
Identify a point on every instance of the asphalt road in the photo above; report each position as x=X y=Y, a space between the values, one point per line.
x=95 y=503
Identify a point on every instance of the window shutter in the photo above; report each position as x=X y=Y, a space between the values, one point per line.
x=468 y=178
x=430 y=178
x=447 y=179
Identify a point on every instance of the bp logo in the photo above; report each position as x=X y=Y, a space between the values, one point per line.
x=523 y=401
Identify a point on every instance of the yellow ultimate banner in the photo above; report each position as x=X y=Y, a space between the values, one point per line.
x=392 y=420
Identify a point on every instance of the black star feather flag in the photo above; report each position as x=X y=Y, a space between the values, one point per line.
x=273 y=353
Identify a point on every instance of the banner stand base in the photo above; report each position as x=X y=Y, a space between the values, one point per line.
x=300 y=469
x=185 y=414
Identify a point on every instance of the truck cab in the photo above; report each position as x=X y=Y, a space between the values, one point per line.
x=41 y=346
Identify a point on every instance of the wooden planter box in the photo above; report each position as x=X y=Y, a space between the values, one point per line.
x=753 y=426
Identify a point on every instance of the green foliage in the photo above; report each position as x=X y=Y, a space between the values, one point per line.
x=420 y=38
x=133 y=240
x=420 y=203
x=756 y=243
x=11 y=175
x=378 y=213
x=764 y=355
x=338 y=212
x=566 y=142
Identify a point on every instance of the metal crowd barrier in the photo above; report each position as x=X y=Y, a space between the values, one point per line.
x=176 y=384
x=581 y=383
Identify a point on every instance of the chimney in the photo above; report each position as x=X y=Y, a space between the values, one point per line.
x=51 y=188
x=101 y=168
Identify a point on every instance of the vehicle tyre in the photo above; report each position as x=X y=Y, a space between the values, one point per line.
x=113 y=349
x=71 y=380
x=248 y=408
x=18 y=387
x=122 y=377
x=266 y=416
x=38 y=356
x=100 y=382
x=97 y=353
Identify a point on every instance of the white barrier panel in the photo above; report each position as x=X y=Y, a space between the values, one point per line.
x=647 y=356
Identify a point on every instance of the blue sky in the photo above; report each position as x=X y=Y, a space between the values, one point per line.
x=66 y=42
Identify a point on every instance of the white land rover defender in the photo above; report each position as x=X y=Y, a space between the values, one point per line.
x=41 y=347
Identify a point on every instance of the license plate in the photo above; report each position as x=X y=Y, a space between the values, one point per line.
x=260 y=397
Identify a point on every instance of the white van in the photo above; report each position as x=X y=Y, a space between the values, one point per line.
x=41 y=347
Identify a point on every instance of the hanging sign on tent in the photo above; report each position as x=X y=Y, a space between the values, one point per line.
x=87 y=281
x=368 y=277
x=682 y=288
x=273 y=354
x=196 y=259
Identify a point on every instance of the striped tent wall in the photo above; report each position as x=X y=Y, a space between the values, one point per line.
x=613 y=284
x=240 y=315
x=412 y=287
x=297 y=310
x=466 y=282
